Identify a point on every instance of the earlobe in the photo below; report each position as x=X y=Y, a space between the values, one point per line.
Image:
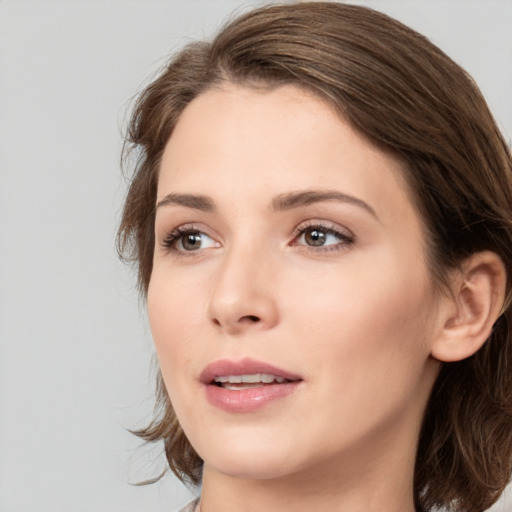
x=478 y=292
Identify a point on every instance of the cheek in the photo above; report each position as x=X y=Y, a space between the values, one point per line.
x=172 y=311
x=365 y=344
x=365 y=321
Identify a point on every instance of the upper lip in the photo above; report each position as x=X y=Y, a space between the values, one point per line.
x=245 y=366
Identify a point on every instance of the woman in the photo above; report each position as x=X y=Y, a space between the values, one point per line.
x=321 y=219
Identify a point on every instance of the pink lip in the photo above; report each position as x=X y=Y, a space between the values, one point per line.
x=251 y=399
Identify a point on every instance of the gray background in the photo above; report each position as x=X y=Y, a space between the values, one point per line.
x=75 y=350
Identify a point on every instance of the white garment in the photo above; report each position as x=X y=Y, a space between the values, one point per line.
x=193 y=506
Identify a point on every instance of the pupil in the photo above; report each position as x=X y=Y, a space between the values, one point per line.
x=315 y=237
x=192 y=241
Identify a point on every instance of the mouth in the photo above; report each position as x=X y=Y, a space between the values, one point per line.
x=248 y=381
x=245 y=373
x=246 y=385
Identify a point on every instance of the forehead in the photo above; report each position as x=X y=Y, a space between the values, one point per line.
x=240 y=141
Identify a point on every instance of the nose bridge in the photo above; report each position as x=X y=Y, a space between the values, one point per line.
x=242 y=295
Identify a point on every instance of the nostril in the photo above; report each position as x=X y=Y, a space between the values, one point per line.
x=252 y=318
x=243 y=320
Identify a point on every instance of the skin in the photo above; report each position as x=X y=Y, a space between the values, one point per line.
x=356 y=320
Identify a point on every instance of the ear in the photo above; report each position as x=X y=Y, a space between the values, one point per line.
x=468 y=315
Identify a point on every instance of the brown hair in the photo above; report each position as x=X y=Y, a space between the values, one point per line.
x=403 y=93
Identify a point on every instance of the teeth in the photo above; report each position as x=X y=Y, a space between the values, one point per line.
x=239 y=387
x=252 y=378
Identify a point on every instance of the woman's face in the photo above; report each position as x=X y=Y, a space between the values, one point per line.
x=288 y=246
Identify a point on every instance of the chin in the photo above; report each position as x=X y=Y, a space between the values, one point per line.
x=257 y=468
x=247 y=459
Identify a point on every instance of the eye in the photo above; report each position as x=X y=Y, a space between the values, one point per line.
x=188 y=239
x=317 y=235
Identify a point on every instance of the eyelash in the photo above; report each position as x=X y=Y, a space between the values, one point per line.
x=170 y=240
x=345 y=238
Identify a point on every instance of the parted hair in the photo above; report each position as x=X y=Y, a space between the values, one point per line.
x=405 y=95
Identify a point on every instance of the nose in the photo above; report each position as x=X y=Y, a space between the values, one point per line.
x=243 y=297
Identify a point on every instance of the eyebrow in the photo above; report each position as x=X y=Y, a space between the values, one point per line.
x=280 y=203
x=203 y=203
x=291 y=200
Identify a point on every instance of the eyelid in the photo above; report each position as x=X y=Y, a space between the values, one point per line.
x=345 y=235
x=170 y=238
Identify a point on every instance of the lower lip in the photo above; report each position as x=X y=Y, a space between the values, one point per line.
x=250 y=399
